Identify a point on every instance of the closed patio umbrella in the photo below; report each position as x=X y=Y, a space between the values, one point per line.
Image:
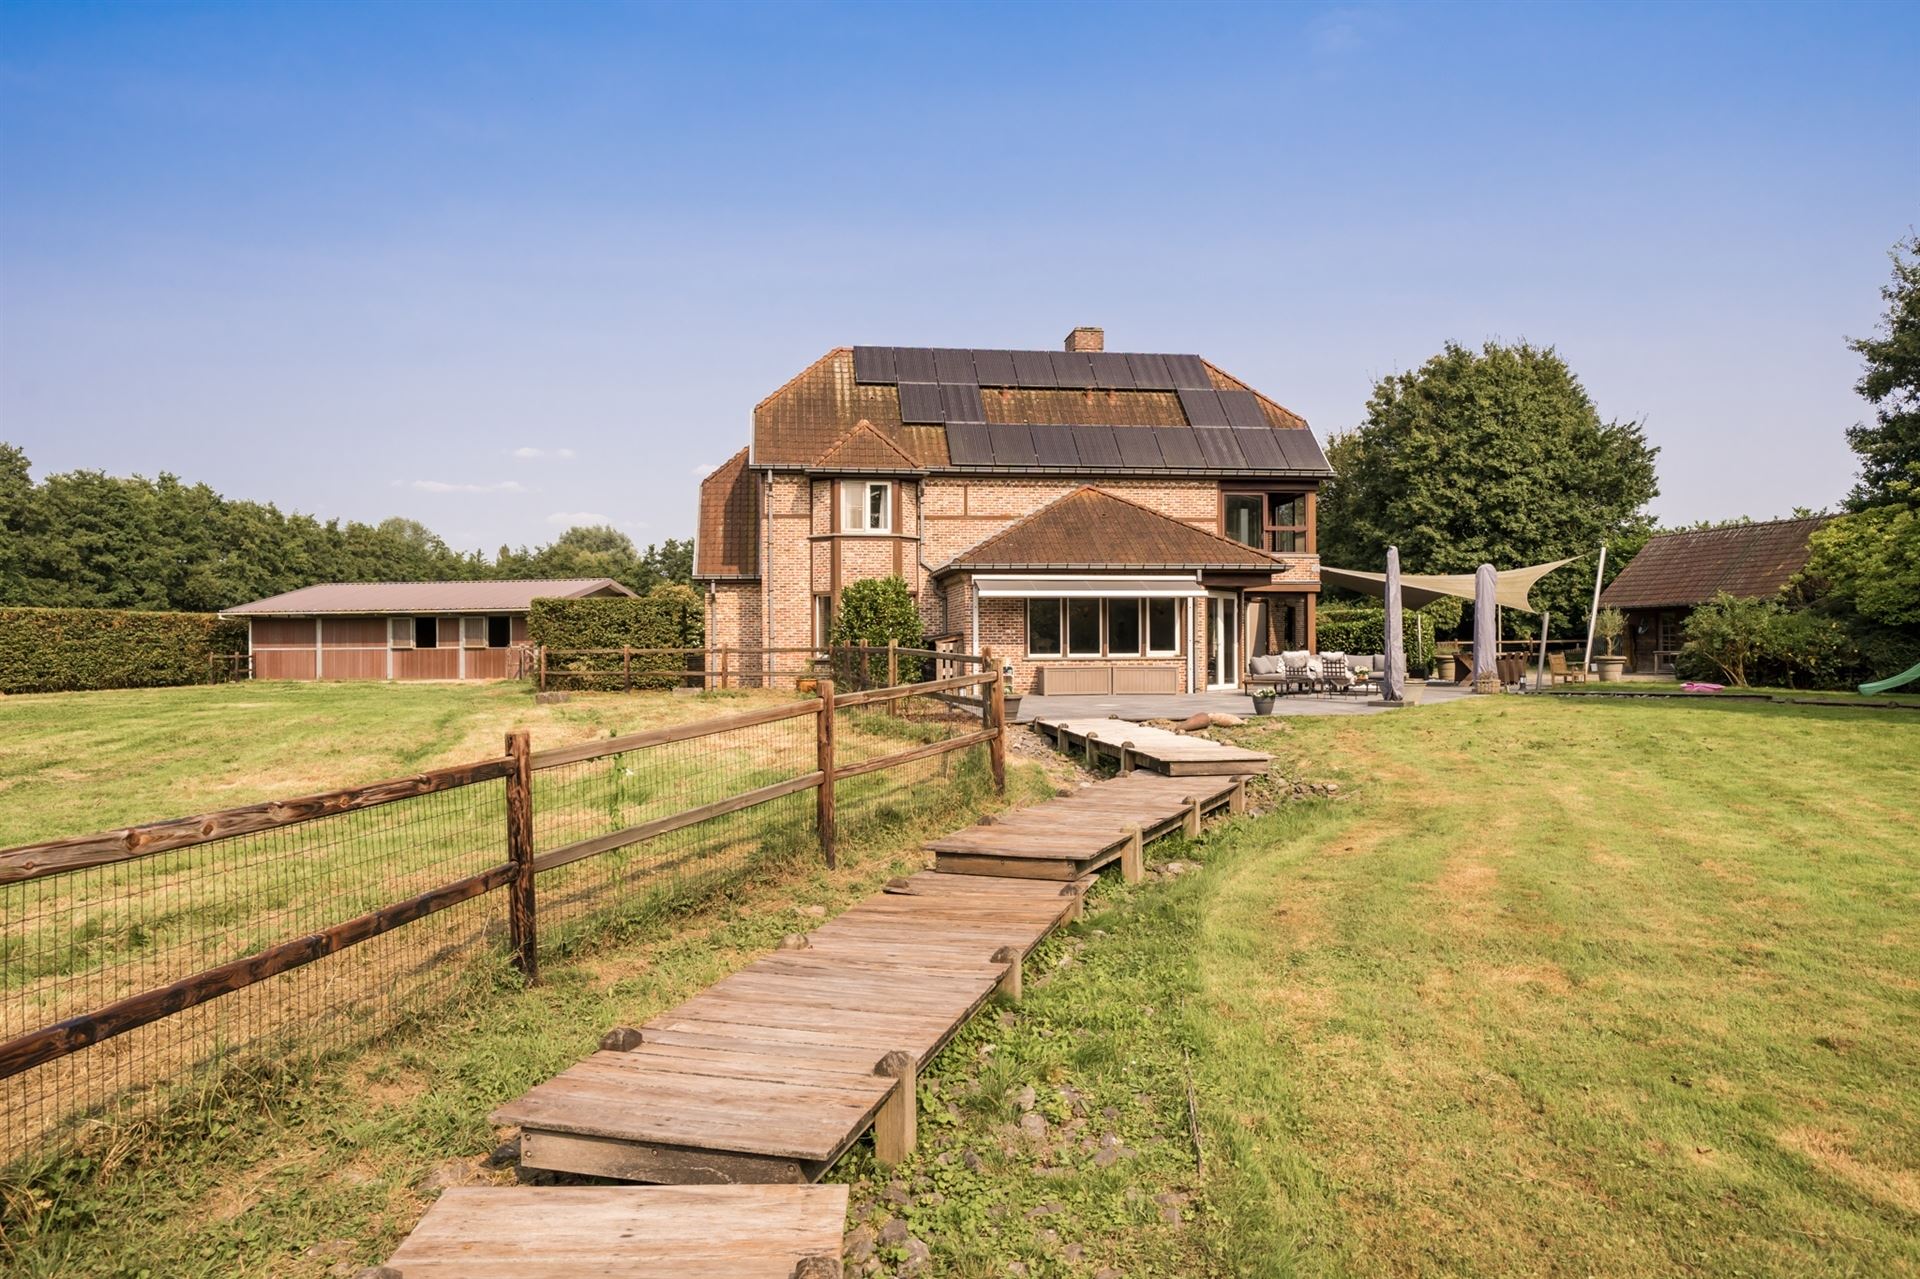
x=1486 y=626
x=1393 y=683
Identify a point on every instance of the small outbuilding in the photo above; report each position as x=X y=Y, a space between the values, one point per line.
x=1677 y=572
x=402 y=630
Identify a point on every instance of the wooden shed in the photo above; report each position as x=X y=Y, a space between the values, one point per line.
x=402 y=630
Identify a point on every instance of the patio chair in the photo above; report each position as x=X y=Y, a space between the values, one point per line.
x=1334 y=675
x=1559 y=673
x=1297 y=671
x=1265 y=671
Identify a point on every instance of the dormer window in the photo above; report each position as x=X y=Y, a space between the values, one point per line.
x=866 y=506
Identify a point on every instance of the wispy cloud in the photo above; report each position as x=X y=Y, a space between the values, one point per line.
x=526 y=454
x=574 y=519
x=448 y=486
x=705 y=469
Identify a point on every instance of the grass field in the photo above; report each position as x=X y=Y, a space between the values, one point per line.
x=1555 y=987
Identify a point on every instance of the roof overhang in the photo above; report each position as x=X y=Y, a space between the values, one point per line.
x=1072 y=585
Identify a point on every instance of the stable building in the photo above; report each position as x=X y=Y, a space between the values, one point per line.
x=1675 y=573
x=402 y=630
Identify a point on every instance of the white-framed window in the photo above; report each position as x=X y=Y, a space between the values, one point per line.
x=399 y=632
x=1043 y=628
x=1163 y=627
x=1123 y=628
x=866 y=506
x=1083 y=628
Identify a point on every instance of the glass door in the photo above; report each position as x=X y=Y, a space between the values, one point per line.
x=1223 y=641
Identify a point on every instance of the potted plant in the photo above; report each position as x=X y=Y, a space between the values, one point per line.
x=1610 y=624
x=1263 y=701
x=1009 y=698
x=1444 y=668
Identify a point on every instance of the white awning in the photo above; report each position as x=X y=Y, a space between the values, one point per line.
x=1086 y=586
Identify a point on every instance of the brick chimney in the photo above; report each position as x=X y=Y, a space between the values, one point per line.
x=1087 y=338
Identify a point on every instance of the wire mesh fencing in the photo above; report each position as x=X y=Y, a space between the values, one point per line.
x=137 y=962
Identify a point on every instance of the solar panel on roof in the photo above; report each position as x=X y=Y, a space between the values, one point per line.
x=873 y=364
x=1138 y=447
x=1149 y=372
x=1096 y=447
x=1012 y=446
x=1072 y=369
x=921 y=403
x=1033 y=370
x=962 y=403
x=1203 y=407
x=1053 y=445
x=951 y=365
x=1222 y=451
x=1262 y=451
x=913 y=364
x=1179 y=449
x=1110 y=370
x=968 y=444
x=994 y=368
x=1243 y=409
x=1187 y=370
x=1301 y=450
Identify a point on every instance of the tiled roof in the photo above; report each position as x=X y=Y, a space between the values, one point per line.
x=1751 y=561
x=865 y=450
x=727 y=544
x=1091 y=528
x=427 y=597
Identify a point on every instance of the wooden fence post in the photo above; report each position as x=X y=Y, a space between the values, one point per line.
x=520 y=912
x=997 y=720
x=893 y=663
x=723 y=667
x=823 y=744
x=626 y=667
x=543 y=668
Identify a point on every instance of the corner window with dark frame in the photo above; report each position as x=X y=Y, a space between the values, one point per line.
x=1246 y=518
x=1270 y=521
x=1043 y=628
x=426 y=632
x=866 y=506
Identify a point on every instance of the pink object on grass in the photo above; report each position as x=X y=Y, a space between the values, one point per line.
x=1694 y=686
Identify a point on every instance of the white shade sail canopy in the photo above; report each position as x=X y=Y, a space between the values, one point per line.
x=1417 y=590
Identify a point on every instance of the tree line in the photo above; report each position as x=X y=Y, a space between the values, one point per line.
x=85 y=539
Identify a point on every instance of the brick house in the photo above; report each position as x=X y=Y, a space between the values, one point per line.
x=1104 y=522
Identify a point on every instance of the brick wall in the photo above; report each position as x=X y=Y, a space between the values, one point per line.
x=963 y=513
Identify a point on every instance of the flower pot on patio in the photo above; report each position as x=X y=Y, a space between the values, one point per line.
x=1263 y=703
x=1412 y=691
x=1444 y=669
x=1612 y=669
x=1011 y=701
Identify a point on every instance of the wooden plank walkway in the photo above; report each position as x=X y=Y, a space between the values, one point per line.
x=1076 y=834
x=770 y=1074
x=627 y=1232
x=1131 y=745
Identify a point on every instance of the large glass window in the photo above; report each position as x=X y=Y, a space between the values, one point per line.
x=1083 y=628
x=866 y=506
x=1245 y=518
x=1043 y=628
x=1163 y=626
x=1123 y=628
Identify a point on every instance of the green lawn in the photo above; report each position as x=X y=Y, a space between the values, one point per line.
x=1555 y=987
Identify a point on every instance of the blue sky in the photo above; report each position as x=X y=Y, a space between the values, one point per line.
x=499 y=268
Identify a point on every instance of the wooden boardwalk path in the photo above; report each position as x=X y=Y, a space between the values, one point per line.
x=738 y=1098
x=1131 y=745
x=1078 y=833
x=628 y=1232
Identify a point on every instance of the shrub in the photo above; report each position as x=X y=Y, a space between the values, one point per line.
x=1610 y=624
x=668 y=616
x=1763 y=642
x=64 y=650
x=875 y=610
x=1362 y=628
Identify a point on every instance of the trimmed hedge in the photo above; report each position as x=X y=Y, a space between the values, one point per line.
x=69 y=650
x=1353 y=628
x=668 y=616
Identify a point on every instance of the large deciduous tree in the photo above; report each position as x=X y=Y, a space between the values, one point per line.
x=1491 y=456
x=1889 y=447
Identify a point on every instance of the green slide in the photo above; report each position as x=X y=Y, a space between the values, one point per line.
x=1907 y=676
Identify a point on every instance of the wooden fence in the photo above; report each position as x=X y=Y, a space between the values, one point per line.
x=858 y=666
x=504 y=791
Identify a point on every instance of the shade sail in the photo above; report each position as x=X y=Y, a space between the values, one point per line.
x=1417 y=590
x=1053 y=586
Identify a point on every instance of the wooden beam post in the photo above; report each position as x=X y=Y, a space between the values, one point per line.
x=1133 y=858
x=626 y=667
x=521 y=928
x=723 y=667
x=1010 y=979
x=893 y=663
x=543 y=668
x=1074 y=910
x=997 y=721
x=823 y=748
x=895 y=1127
x=1126 y=758
x=1193 y=816
x=1237 y=797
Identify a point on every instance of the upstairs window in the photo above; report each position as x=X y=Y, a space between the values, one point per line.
x=1269 y=521
x=1246 y=518
x=866 y=506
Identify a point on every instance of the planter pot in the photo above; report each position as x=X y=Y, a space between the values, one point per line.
x=1612 y=669
x=1412 y=692
x=1012 y=704
x=1445 y=668
x=1263 y=705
